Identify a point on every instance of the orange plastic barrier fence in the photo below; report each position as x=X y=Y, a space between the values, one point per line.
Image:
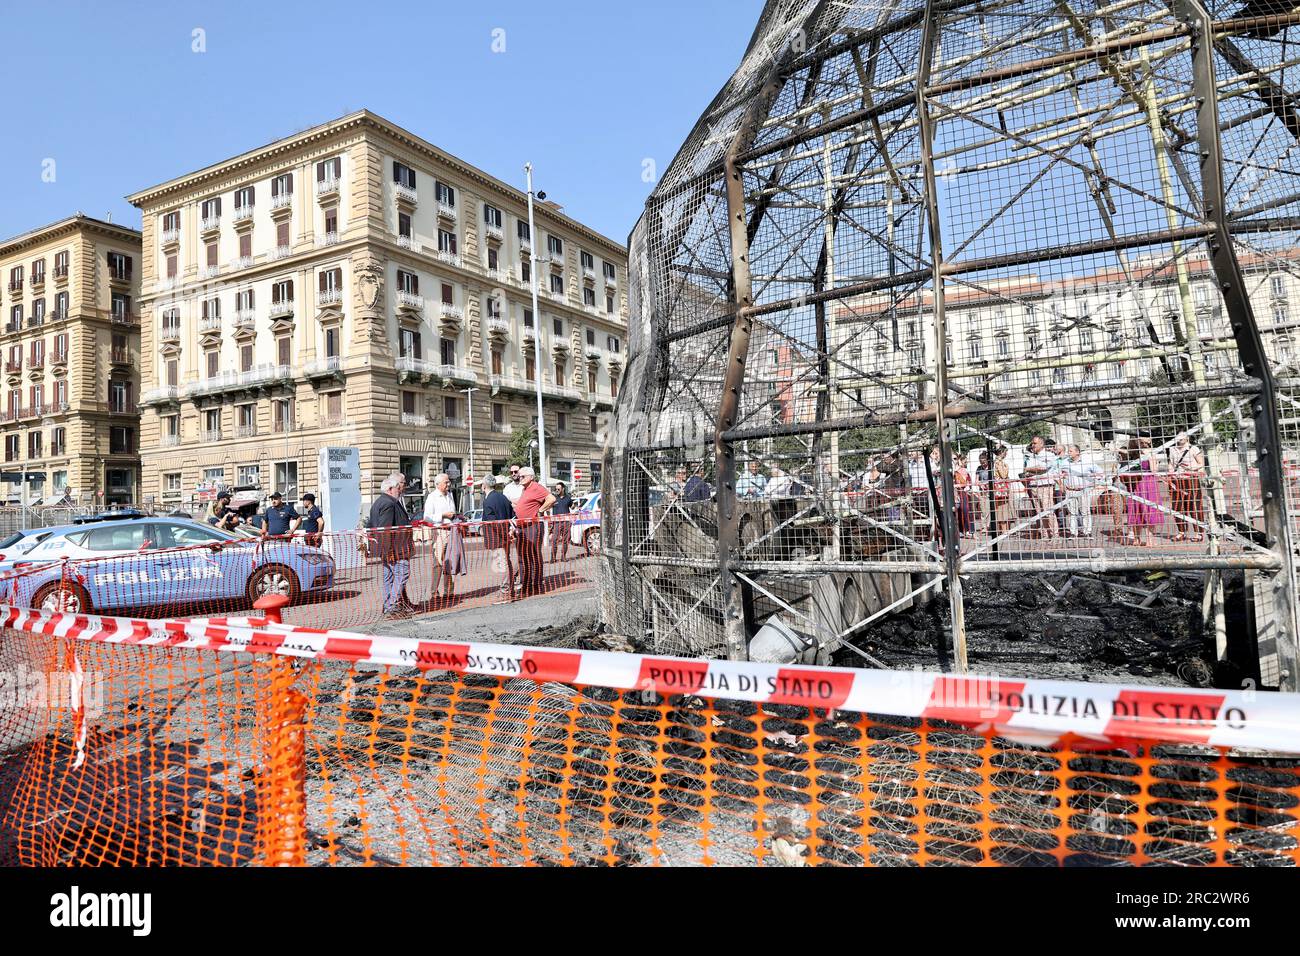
x=142 y=753
x=348 y=579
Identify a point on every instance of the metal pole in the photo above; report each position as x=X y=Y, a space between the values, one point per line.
x=469 y=398
x=948 y=520
x=537 y=329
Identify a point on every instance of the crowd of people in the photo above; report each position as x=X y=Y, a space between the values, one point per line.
x=1057 y=492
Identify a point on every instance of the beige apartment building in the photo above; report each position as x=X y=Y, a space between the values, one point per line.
x=71 y=344
x=355 y=285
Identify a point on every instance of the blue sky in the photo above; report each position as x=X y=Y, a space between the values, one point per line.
x=115 y=95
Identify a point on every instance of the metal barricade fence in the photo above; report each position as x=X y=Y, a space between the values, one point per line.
x=333 y=580
x=247 y=741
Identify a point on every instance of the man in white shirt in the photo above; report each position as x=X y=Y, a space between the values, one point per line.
x=513 y=488
x=779 y=485
x=438 y=509
x=1040 y=476
x=1082 y=478
x=1187 y=467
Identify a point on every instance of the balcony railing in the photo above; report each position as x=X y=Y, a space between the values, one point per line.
x=326 y=187
x=15 y=285
x=405 y=194
x=265 y=374
x=498 y=326
x=38 y=280
x=502 y=428
x=406 y=242
x=120 y=356
x=59 y=358
x=122 y=407
x=60 y=273
x=414 y=366
x=492 y=232
x=211 y=435
x=35 y=321
x=164 y=393
x=589 y=272
x=611 y=280
x=446 y=211
x=244 y=320
x=450 y=258
x=220 y=382
x=451 y=312
x=210 y=272
x=456 y=373
x=281 y=252
x=209 y=323
x=333 y=421
x=170 y=441
x=283 y=426
x=525 y=245
x=282 y=200
x=410 y=418
x=170 y=237
x=327 y=239
x=245 y=431
x=529 y=334
x=210 y=224
x=409 y=300
x=36 y=361
x=326 y=297
x=560 y=296
x=453 y=422
x=281 y=308
x=243 y=213
x=510 y=383
x=241 y=262
x=13 y=368
x=57 y=315
x=594 y=354
x=170 y=332
x=322 y=367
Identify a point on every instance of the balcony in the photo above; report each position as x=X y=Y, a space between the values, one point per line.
x=563 y=392
x=492 y=232
x=241 y=262
x=502 y=428
x=53 y=410
x=406 y=242
x=244 y=319
x=334 y=421
x=282 y=201
x=36 y=362
x=120 y=357
x=594 y=354
x=38 y=280
x=525 y=245
x=59 y=358
x=449 y=258
x=122 y=407
x=210 y=272
x=456 y=373
x=165 y=393
x=209 y=323
x=13 y=326
x=60 y=273
x=170 y=332
x=265 y=375
x=405 y=194
x=327 y=239
x=611 y=281
x=589 y=273
x=409 y=301
x=419 y=421
x=509 y=383
x=211 y=435
x=454 y=423
x=447 y=211
x=15 y=286
x=246 y=431
x=331 y=367
x=169 y=441
x=57 y=315
x=170 y=237
x=13 y=368
x=35 y=321
x=283 y=426
x=281 y=252
x=529 y=335
x=327 y=187
x=450 y=312
x=209 y=225
x=243 y=214
x=326 y=297
x=498 y=328
x=281 y=309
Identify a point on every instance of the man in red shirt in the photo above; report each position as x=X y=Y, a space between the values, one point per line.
x=531 y=503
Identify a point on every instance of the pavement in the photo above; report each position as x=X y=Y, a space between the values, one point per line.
x=506 y=623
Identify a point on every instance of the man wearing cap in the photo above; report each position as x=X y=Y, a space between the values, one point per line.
x=533 y=500
x=311 y=521
x=497 y=514
x=280 y=517
x=221 y=515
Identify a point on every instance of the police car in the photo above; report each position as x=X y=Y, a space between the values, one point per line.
x=139 y=561
x=584 y=527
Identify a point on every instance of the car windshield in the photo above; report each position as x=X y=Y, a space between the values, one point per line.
x=13 y=539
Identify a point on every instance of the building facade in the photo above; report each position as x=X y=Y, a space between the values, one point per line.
x=353 y=285
x=71 y=345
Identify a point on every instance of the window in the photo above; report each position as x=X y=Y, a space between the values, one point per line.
x=59 y=441
x=61 y=347
x=119 y=537
x=492 y=215
x=562 y=421
x=13 y=446
x=246 y=245
x=211 y=358
x=38 y=312
x=528 y=318
x=332 y=221
x=61 y=305
x=119 y=395
x=555 y=246
x=614 y=343
x=530 y=368
x=171 y=426
x=210 y=252
x=38 y=352
x=331 y=343
x=498 y=414
x=404 y=225
x=447 y=351
x=613 y=384
x=244 y=300
x=557 y=283
x=171 y=267
x=36 y=396
x=121 y=306
x=591 y=381
x=408 y=344
x=282 y=291
x=446 y=195
x=525 y=271
x=328 y=169
x=281 y=185
x=334 y=407
x=38 y=271
x=119 y=267
x=214 y=476
x=588 y=260
x=171 y=222
x=1277 y=285
x=172 y=374
x=121 y=440
x=282 y=415
x=331 y=280
x=286 y=479
x=609 y=270
x=493 y=260
x=408 y=403
x=244 y=198
x=60 y=264
x=246 y=419
x=34 y=445
x=496 y=362
x=171 y=484
x=211 y=208
x=591 y=337
x=16 y=275
x=246 y=357
x=589 y=296
x=557 y=325
x=284 y=350
x=281 y=235
x=212 y=309
x=559 y=372
x=403 y=175
x=408 y=282
x=450 y=410
x=521 y=227
x=247 y=476
x=446 y=241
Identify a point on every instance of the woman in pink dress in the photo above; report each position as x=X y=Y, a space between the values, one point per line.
x=1141 y=482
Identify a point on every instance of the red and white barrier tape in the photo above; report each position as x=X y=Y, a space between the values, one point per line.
x=1037 y=711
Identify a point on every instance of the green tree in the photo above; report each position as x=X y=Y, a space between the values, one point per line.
x=520 y=439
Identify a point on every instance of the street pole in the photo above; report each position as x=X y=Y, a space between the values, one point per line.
x=537 y=329
x=469 y=398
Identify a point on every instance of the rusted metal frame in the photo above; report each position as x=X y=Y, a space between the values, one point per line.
x=1027 y=257
x=948 y=511
x=1250 y=344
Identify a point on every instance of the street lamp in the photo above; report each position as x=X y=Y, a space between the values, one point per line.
x=531 y=445
x=469 y=399
x=537 y=321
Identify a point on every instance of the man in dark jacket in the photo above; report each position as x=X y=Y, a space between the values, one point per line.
x=497 y=514
x=395 y=545
x=561 y=522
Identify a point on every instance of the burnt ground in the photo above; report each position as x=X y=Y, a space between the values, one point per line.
x=1066 y=627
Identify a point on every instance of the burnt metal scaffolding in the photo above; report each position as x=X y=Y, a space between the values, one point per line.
x=907 y=248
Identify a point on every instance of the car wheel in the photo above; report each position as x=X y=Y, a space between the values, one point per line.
x=591 y=541
x=273 y=579
x=62 y=597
